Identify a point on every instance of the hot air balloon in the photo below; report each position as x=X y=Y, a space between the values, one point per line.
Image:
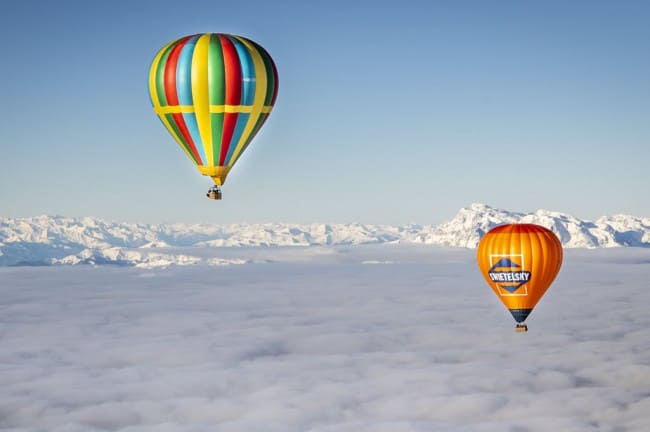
x=519 y=262
x=213 y=92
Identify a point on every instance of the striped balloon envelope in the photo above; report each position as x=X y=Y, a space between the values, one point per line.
x=213 y=92
x=519 y=262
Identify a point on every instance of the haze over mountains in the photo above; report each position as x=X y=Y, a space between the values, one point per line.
x=47 y=240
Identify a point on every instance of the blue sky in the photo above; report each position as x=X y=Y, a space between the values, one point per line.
x=388 y=112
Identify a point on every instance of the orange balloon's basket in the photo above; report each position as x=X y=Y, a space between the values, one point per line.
x=521 y=328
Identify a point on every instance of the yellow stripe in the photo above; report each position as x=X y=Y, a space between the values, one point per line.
x=201 y=92
x=258 y=100
x=231 y=108
x=174 y=109
x=152 y=74
x=214 y=109
x=237 y=108
x=156 y=100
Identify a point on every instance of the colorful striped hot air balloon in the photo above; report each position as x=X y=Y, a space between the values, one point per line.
x=519 y=262
x=213 y=92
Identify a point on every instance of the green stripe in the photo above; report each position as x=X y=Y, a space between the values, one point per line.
x=256 y=128
x=216 y=122
x=160 y=76
x=216 y=73
x=217 y=86
x=179 y=135
x=270 y=76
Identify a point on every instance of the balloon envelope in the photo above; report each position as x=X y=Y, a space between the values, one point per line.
x=213 y=92
x=519 y=262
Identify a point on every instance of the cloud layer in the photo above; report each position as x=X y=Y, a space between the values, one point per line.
x=320 y=341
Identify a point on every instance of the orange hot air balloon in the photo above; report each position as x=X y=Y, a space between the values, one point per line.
x=519 y=262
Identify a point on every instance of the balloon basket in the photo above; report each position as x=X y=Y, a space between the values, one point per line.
x=521 y=328
x=214 y=193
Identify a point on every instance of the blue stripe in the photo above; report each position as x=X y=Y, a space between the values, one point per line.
x=247 y=72
x=242 y=119
x=184 y=90
x=184 y=73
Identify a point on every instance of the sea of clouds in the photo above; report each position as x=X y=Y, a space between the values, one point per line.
x=334 y=339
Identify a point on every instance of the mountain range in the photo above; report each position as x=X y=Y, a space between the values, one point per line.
x=48 y=240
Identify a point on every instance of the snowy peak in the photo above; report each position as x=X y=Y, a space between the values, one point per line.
x=471 y=223
x=140 y=259
x=50 y=240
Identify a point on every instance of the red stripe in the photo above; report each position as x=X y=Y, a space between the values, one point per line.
x=233 y=81
x=172 y=95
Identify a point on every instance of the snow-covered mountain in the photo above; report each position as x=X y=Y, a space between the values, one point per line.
x=46 y=240
x=467 y=227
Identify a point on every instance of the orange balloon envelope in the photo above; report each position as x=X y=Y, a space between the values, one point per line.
x=519 y=262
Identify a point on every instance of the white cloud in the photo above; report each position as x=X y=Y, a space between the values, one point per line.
x=321 y=342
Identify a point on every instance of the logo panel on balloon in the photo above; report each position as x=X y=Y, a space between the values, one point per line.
x=508 y=273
